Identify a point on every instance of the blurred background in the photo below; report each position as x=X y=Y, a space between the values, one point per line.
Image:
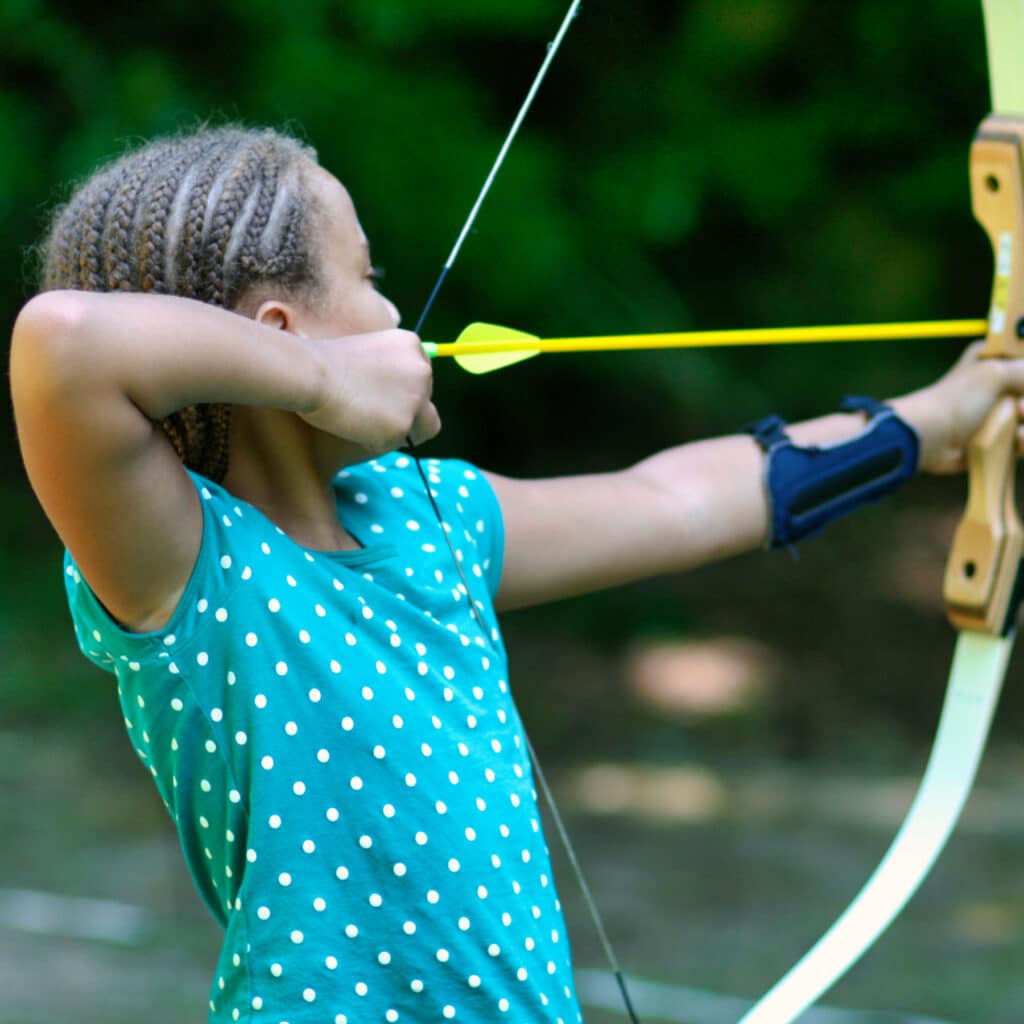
x=733 y=749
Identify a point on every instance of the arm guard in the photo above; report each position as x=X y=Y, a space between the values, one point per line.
x=808 y=488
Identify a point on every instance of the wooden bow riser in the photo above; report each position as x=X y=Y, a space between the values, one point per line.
x=981 y=575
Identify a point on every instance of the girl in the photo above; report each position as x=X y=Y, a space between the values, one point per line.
x=209 y=392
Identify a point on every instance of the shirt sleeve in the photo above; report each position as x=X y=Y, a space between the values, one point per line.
x=105 y=642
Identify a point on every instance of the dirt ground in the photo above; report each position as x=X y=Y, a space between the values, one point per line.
x=707 y=906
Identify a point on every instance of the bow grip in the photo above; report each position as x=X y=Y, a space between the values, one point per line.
x=981 y=581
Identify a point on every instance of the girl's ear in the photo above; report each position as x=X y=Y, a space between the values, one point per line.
x=278 y=315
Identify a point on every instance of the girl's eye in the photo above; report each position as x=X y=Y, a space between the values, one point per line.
x=375 y=274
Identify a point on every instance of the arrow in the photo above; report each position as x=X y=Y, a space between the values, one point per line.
x=484 y=348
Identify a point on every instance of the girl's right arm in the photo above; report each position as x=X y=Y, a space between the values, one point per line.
x=92 y=375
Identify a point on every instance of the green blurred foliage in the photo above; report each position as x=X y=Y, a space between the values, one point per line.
x=699 y=163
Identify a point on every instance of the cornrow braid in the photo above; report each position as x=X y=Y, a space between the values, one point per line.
x=90 y=255
x=207 y=215
x=121 y=270
x=204 y=193
x=239 y=181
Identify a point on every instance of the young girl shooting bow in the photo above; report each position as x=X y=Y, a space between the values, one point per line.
x=209 y=392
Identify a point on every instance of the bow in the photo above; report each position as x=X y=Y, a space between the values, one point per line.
x=982 y=581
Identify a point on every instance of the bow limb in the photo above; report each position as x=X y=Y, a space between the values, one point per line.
x=982 y=583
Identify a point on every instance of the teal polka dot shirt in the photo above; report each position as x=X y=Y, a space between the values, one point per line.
x=335 y=740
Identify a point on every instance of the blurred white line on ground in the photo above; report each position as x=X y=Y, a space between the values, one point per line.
x=45 y=913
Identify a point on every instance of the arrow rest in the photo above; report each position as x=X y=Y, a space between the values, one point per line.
x=982 y=588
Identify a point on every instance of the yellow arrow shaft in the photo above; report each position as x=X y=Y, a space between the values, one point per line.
x=708 y=339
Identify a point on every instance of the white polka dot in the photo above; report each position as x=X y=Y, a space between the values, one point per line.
x=410 y=780
x=331 y=963
x=202 y=658
x=297 y=937
x=309 y=995
x=454 y=865
x=342 y=873
x=241 y=738
x=267 y=762
x=375 y=899
x=384 y=957
x=409 y=928
x=421 y=838
x=251 y=639
x=355 y=782
x=260 y=700
x=284 y=878
x=323 y=755
x=299 y=788
x=474 y=981
x=315 y=695
x=276 y=970
x=291 y=728
x=433 y=896
x=281 y=668
x=388 y=810
x=319 y=904
x=221 y=614
x=351 y=931
x=333 y=814
x=347 y=724
x=493 y=949
x=443 y=956
x=263 y=913
x=274 y=605
x=308 y=846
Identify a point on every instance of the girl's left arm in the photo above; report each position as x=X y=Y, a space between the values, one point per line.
x=705 y=501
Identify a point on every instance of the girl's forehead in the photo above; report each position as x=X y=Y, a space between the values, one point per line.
x=336 y=206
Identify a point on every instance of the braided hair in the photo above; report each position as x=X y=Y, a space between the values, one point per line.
x=207 y=215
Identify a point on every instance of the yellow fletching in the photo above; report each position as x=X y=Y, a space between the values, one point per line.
x=497 y=339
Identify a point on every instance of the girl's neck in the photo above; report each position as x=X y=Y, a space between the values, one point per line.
x=277 y=466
